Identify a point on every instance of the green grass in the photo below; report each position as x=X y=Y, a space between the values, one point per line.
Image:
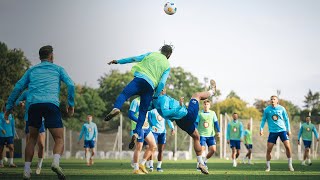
x=121 y=169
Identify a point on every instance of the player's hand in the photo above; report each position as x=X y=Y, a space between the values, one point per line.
x=318 y=139
x=228 y=142
x=218 y=134
x=78 y=143
x=3 y=131
x=22 y=103
x=289 y=133
x=113 y=62
x=70 y=110
x=181 y=101
x=261 y=133
x=172 y=132
x=298 y=142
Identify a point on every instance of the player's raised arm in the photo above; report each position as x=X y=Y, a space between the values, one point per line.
x=263 y=121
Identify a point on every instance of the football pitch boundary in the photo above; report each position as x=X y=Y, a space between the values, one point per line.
x=121 y=169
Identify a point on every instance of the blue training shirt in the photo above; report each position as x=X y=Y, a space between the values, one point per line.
x=277 y=119
x=90 y=131
x=169 y=108
x=158 y=123
x=43 y=82
x=9 y=128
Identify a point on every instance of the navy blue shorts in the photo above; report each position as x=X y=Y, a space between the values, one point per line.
x=50 y=112
x=6 y=141
x=41 y=130
x=307 y=144
x=210 y=141
x=248 y=146
x=187 y=123
x=235 y=143
x=274 y=136
x=89 y=144
x=160 y=138
x=145 y=133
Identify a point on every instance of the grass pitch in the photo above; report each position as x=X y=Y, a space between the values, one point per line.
x=121 y=169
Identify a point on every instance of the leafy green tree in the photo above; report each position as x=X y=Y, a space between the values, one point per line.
x=13 y=65
x=111 y=85
x=87 y=102
x=233 y=94
x=292 y=109
x=312 y=100
x=260 y=104
x=182 y=84
x=233 y=103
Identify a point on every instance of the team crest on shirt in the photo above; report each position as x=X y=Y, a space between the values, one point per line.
x=89 y=129
x=194 y=101
x=154 y=129
x=308 y=129
x=206 y=124
x=234 y=129
x=145 y=124
x=275 y=117
x=159 y=118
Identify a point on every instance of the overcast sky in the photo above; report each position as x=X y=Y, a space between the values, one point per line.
x=253 y=47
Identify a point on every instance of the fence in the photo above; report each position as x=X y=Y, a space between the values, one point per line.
x=113 y=144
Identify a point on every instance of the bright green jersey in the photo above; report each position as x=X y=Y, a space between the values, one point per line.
x=206 y=123
x=152 y=66
x=247 y=136
x=306 y=131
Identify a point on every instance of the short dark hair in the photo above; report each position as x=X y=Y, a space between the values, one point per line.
x=166 y=49
x=45 y=51
x=206 y=101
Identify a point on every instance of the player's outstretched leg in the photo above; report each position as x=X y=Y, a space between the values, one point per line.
x=198 y=149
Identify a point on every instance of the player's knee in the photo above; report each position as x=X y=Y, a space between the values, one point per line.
x=153 y=148
x=195 y=96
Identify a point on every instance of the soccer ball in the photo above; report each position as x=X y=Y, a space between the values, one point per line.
x=170 y=8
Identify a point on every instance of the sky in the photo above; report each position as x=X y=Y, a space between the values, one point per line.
x=253 y=47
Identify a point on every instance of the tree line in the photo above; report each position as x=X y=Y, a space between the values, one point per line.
x=99 y=101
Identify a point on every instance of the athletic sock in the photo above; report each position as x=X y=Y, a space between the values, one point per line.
x=56 y=159
x=40 y=160
x=268 y=164
x=200 y=160
x=136 y=166
x=143 y=161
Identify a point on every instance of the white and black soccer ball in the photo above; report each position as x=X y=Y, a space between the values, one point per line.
x=170 y=8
